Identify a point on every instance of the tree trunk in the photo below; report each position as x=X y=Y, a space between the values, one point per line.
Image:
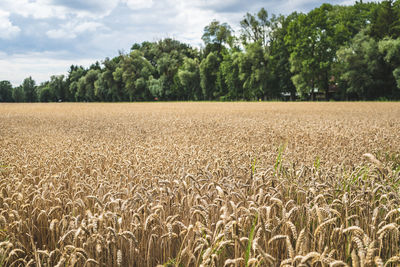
x=312 y=91
x=292 y=96
x=327 y=96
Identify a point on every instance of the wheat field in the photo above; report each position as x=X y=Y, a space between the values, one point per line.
x=200 y=184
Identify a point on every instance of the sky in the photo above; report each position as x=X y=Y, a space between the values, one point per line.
x=40 y=38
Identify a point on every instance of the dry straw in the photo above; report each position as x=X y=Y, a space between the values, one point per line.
x=200 y=184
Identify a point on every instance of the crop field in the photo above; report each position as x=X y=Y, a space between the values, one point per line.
x=200 y=184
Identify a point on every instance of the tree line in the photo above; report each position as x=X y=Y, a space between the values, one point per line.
x=332 y=52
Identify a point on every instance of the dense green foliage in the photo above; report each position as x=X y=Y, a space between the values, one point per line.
x=332 y=52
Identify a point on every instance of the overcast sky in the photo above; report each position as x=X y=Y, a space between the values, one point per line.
x=40 y=38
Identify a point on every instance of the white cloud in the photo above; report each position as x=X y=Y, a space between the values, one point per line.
x=190 y=22
x=7 y=29
x=88 y=8
x=72 y=29
x=220 y=5
x=38 y=65
x=61 y=9
x=87 y=26
x=38 y=9
x=138 y=4
x=347 y=2
x=185 y=20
